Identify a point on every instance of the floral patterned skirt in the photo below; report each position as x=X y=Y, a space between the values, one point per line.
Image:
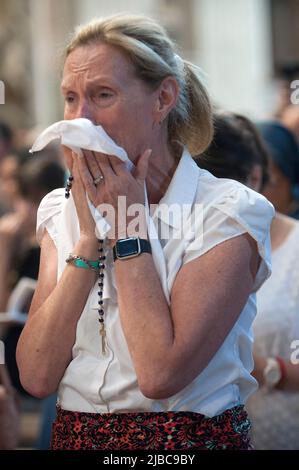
x=149 y=430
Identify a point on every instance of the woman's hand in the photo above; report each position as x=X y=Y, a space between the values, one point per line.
x=117 y=181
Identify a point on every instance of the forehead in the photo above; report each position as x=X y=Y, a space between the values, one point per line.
x=97 y=61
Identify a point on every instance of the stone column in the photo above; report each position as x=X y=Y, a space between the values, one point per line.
x=234 y=48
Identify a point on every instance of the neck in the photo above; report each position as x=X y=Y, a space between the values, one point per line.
x=281 y=227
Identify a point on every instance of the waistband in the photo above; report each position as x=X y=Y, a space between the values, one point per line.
x=149 y=430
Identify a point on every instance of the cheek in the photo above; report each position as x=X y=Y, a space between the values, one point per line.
x=128 y=126
x=67 y=114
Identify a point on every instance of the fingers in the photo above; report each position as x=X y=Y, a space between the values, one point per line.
x=118 y=166
x=104 y=164
x=92 y=164
x=83 y=172
x=100 y=164
x=142 y=166
x=77 y=185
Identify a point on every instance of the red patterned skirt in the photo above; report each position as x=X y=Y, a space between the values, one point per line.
x=155 y=431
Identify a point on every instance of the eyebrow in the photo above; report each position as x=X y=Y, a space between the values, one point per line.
x=63 y=87
x=97 y=82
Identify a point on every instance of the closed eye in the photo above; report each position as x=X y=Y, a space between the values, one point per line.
x=105 y=94
x=103 y=97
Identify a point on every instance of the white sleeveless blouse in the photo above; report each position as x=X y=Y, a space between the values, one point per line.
x=93 y=383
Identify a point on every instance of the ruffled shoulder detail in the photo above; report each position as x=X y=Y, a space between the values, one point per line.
x=48 y=212
x=254 y=213
x=235 y=211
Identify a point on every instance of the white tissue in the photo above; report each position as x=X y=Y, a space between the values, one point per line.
x=80 y=134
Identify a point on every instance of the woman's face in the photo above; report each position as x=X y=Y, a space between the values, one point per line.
x=99 y=84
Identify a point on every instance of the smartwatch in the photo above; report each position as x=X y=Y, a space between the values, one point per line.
x=130 y=247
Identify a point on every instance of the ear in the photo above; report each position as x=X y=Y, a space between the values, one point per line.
x=167 y=96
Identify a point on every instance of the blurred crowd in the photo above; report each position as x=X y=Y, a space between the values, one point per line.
x=262 y=155
x=24 y=180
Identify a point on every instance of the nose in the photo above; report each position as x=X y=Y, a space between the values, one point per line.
x=85 y=110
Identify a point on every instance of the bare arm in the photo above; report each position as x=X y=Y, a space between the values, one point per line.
x=291 y=380
x=170 y=348
x=45 y=346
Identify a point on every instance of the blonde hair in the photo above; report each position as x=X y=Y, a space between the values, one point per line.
x=153 y=55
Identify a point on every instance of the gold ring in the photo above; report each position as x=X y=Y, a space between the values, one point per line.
x=98 y=180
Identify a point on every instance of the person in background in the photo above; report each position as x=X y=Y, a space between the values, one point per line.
x=283 y=188
x=6 y=139
x=239 y=152
x=18 y=245
x=9 y=413
x=287 y=111
x=32 y=178
x=6 y=147
x=24 y=185
x=285 y=77
x=236 y=135
x=18 y=215
x=9 y=194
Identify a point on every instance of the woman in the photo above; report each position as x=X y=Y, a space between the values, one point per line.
x=171 y=369
x=238 y=152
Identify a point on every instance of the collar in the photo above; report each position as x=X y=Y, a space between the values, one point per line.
x=180 y=192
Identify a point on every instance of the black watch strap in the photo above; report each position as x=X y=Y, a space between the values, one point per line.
x=124 y=248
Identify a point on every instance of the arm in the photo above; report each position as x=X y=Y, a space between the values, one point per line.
x=45 y=345
x=170 y=347
x=291 y=380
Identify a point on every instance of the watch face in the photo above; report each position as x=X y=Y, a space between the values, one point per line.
x=272 y=372
x=273 y=376
x=127 y=247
